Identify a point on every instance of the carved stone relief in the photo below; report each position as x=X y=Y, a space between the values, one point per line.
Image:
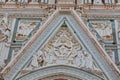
x=104 y=29
x=111 y=54
x=4 y=37
x=63 y=49
x=24 y=29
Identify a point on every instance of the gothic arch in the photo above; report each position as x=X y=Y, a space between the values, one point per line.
x=63 y=71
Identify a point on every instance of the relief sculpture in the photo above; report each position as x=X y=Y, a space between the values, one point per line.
x=4 y=35
x=104 y=29
x=63 y=49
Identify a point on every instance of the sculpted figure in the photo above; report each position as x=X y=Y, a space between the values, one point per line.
x=37 y=60
x=83 y=59
x=40 y=58
x=34 y=63
x=79 y=59
x=88 y=60
x=50 y=57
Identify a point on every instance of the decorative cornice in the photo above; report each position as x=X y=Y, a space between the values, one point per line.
x=53 y=6
x=100 y=16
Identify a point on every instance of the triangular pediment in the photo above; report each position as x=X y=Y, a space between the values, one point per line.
x=62 y=40
x=62 y=48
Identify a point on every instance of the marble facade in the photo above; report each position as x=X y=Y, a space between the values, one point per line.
x=65 y=35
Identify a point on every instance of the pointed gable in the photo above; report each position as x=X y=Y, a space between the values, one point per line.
x=60 y=44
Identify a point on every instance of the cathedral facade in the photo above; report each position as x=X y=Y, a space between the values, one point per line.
x=59 y=39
